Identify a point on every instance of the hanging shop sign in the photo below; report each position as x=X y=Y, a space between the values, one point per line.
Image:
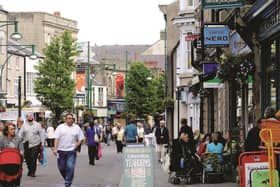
x=191 y=37
x=211 y=68
x=216 y=36
x=220 y=4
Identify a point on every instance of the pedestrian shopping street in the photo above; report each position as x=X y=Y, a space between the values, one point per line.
x=107 y=172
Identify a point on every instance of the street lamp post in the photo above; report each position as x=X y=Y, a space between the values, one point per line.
x=126 y=86
x=15 y=35
x=19 y=96
x=89 y=96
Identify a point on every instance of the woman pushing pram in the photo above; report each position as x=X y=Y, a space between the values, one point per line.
x=11 y=151
x=184 y=164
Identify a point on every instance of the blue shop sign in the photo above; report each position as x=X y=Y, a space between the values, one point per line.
x=216 y=36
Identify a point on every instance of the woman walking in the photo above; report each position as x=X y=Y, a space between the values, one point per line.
x=91 y=132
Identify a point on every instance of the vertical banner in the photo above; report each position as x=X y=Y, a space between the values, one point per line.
x=80 y=84
x=120 y=86
x=138 y=167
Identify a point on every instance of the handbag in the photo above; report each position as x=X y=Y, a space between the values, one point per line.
x=96 y=138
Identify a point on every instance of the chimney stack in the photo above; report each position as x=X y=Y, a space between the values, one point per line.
x=56 y=13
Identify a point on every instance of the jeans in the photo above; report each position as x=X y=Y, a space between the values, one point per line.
x=66 y=164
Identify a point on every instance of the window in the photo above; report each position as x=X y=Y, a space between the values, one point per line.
x=185 y=4
x=2 y=40
x=16 y=84
x=100 y=96
x=30 y=77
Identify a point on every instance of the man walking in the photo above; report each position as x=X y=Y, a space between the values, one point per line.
x=68 y=136
x=131 y=132
x=162 y=139
x=33 y=138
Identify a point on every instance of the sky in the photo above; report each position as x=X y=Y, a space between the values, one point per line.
x=103 y=22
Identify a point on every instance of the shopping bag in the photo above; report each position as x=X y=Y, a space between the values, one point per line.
x=99 y=151
x=44 y=157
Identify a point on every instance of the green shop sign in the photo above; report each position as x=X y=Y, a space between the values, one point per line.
x=220 y=4
x=138 y=167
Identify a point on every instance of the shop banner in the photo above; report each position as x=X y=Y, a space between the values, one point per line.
x=210 y=68
x=138 y=166
x=216 y=36
x=221 y=4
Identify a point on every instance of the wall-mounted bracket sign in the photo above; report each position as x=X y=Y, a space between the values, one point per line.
x=220 y=4
x=216 y=36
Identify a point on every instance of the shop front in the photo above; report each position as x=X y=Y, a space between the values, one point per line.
x=266 y=23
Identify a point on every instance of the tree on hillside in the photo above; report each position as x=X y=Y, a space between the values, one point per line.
x=54 y=86
x=144 y=96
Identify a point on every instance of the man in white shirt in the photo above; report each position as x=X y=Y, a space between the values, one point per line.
x=33 y=138
x=68 y=136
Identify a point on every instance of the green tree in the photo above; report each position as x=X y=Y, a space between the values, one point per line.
x=144 y=96
x=54 y=87
x=157 y=100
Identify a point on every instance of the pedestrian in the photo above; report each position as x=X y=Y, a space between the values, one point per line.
x=68 y=136
x=19 y=123
x=11 y=140
x=119 y=137
x=269 y=113
x=33 y=138
x=186 y=130
x=215 y=147
x=253 y=140
x=90 y=133
x=140 y=132
x=162 y=139
x=97 y=137
x=114 y=132
x=50 y=134
x=108 y=133
x=131 y=132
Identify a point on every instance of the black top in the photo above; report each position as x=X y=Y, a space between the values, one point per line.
x=253 y=140
x=162 y=135
x=188 y=130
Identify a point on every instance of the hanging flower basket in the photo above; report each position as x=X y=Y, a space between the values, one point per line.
x=169 y=102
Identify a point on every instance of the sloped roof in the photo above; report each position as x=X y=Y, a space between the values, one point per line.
x=156 y=49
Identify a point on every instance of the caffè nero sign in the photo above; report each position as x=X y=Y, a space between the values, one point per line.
x=220 y=4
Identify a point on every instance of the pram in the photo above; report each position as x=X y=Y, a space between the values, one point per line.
x=184 y=166
x=10 y=167
x=212 y=169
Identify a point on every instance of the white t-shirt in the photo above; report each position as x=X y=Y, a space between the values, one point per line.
x=50 y=131
x=68 y=136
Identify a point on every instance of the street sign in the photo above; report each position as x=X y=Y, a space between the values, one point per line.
x=191 y=37
x=221 y=4
x=138 y=167
x=216 y=36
